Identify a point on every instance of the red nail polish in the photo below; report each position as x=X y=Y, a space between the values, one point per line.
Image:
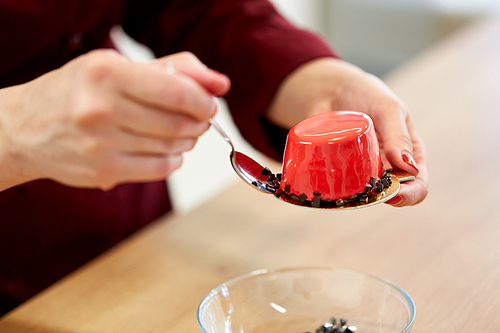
x=408 y=159
x=396 y=200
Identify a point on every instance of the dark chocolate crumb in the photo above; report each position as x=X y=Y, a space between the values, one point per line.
x=266 y=171
x=278 y=176
x=287 y=188
x=380 y=186
x=364 y=198
x=385 y=182
x=316 y=202
x=302 y=197
x=390 y=170
x=373 y=181
x=317 y=194
x=384 y=173
x=294 y=197
x=333 y=327
x=339 y=202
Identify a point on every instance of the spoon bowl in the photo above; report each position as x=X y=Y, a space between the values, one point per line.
x=246 y=167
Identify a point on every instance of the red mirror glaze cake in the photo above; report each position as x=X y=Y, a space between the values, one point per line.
x=331 y=156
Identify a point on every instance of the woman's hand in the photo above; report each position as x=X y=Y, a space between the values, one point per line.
x=101 y=120
x=328 y=84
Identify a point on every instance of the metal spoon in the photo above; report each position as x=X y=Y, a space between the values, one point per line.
x=247 y=168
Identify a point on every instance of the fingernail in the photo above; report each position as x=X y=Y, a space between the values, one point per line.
x=408 y=159
x=214 y=112
x=396 y=200
x=170 y=66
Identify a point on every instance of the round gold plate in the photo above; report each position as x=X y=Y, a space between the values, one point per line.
x=397 y=176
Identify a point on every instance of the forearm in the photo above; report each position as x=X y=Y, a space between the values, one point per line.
x=317 y=86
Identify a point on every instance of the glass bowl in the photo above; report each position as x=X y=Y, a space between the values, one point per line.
x=298 y=300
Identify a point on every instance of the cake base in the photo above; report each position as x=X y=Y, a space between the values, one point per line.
x=396 y=176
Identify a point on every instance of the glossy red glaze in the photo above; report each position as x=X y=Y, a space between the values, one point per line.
x=334 y=153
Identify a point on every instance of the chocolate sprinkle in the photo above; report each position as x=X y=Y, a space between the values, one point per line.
x=266 y=171
x=317 y=194
x=364 y=198
x=385 y=182
x=287 y=188
x=316 y=202
x=372 y=181
x=303 y=197
x=333 y=327
x=379 y=186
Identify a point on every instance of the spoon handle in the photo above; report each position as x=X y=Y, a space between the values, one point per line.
x=221 y=132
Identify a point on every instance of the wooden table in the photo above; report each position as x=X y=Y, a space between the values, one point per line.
x=444 y=252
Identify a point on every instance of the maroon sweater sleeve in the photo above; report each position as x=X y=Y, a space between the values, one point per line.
x=246 y=39
x=47 y=229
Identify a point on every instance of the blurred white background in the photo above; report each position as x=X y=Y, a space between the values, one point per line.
x=377 y=35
